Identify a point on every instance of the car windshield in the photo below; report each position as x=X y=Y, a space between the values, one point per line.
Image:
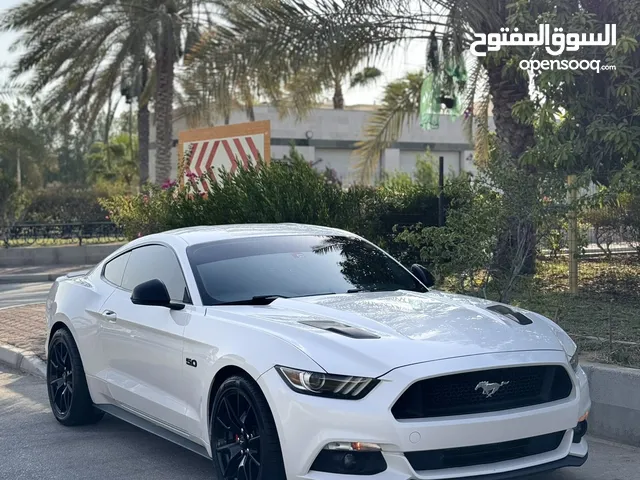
x=240 y=270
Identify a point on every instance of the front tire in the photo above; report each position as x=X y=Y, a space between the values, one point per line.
x=66 y=383
x=244 y=440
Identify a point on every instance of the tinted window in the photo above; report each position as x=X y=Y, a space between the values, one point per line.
x=156 y=261
x=290 y=266
x=115 y=268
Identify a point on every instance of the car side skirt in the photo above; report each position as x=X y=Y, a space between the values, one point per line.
x=154 y=429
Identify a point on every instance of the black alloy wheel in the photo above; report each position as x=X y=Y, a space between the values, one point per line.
x=244 y=440
x=67 y=388
x=60 y=378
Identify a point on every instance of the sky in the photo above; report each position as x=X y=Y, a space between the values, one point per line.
x=406 y=60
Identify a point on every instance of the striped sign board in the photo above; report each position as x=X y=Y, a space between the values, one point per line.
x=230 y=146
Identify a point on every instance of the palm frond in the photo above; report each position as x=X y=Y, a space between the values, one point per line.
x=365 y=77
x=477 y=102
x=399 y=107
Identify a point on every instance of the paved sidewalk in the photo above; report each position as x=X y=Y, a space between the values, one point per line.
x=24 y=327
x=38 y=274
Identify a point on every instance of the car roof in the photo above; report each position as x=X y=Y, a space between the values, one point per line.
x=210 y=233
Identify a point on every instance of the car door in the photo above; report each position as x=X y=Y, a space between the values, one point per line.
x=143 y=344
x=107 y=280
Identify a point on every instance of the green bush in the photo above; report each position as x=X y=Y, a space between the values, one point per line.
x=290 y=190
x=13 y=205
x=65 y=205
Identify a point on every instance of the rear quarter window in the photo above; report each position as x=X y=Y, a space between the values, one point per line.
x=114 y=269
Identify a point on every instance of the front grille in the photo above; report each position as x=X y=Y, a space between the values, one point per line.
x=484 y=454
x=463 y=393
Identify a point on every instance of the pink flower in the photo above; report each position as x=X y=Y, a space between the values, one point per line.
x=191 y=175
x=145 y=199
x=107 y=217
x=203 y=194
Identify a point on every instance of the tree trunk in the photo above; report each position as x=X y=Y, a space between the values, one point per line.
x=143 y=129
x=251 y=114
x=338 y=96
x=165 y=54
x=514 y=138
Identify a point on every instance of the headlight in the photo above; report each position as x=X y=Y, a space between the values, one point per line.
x=327 y=385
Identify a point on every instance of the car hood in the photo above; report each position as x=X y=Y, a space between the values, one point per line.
x=379 y=331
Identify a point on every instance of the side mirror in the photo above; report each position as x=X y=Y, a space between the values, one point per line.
x=154 y=293
x=423 y=275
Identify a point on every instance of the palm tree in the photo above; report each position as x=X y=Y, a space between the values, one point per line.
x=83 y=49
x=298 y=30
x=303 y=70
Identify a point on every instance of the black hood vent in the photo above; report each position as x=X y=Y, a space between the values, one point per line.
x=340 y=329
x=517 y=316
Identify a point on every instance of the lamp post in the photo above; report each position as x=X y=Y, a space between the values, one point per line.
x=441 y=192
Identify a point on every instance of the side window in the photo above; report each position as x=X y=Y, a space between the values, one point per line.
x=156 y=261
x=114 y=270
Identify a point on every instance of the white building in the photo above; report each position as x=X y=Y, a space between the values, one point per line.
x=330 y=135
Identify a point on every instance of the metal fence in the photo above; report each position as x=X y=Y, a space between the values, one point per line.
x=35 y=234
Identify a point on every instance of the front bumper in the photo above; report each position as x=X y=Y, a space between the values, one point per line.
x=307 y=424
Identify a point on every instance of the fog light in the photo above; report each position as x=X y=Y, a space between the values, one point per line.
x=350 y=458
x=349 y=461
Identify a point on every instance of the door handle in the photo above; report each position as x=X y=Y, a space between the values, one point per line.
x=110 y=315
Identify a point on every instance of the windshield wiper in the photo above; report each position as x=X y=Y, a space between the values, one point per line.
x=255 y=300
x=370 y=290
x=267 y=299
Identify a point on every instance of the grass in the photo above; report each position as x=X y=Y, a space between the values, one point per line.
x=603 y=318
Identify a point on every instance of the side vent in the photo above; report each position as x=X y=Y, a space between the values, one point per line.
x=340 y=329
x=517 y=316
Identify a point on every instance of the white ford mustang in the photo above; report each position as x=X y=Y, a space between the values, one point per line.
x=299 y=352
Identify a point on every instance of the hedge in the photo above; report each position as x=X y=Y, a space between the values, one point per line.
x=288 y=191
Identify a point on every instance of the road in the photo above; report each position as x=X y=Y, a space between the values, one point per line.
x=20 y=293
x=34 y=446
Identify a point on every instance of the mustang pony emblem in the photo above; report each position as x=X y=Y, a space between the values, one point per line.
x=489 y=389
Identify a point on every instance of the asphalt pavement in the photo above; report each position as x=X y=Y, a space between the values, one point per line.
x=34 y=446
x=21 y=293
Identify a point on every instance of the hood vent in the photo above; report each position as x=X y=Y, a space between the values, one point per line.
x=517 y=316
x=340 y=329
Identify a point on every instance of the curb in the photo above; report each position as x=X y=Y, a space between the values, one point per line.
x=30 y=277
x=22 y=305
x=44 y=276
x=615 y=403
x=22 y=360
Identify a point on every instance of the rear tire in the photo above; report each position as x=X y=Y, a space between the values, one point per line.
x=244 y=439
x=67 y=388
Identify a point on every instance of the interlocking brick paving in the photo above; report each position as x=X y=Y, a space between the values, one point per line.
x=24 y=327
